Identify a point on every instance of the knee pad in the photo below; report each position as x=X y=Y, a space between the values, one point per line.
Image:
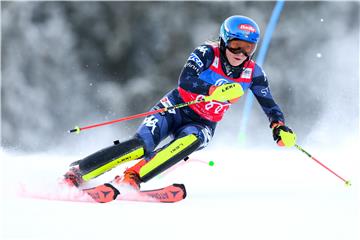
x=110 y=157
x=203 y=132
x=169 y=155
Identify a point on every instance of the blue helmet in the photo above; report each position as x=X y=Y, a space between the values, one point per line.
x=239 y=27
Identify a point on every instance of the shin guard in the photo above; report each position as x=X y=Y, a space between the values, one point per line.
x=110 y=157
x=168 y=156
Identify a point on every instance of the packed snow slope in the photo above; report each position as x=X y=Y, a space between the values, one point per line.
x=248 y=194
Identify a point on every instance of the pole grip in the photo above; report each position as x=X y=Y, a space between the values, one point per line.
x=165 y=109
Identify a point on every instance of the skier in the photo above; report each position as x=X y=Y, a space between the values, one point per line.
x=209 y=71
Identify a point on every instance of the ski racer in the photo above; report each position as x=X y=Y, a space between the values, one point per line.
x=210 y=70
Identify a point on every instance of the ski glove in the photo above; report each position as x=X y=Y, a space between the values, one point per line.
x=230 y=92
x=283 y=135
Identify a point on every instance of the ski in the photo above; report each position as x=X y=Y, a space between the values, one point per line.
x=107 y=193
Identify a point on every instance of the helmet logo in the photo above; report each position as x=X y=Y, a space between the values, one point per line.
x=247 y=27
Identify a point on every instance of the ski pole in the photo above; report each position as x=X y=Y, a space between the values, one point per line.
x=347 y=182
x=77 y=129
x=225 y=92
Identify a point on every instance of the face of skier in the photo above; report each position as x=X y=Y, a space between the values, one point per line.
x=237 y=51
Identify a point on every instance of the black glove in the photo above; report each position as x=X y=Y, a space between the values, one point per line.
x=283 y=135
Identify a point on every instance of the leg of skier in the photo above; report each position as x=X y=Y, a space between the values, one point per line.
x=188 y=138
x=154 y=129
x=104 y=160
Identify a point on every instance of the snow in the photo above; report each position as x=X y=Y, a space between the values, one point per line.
x=248 y=194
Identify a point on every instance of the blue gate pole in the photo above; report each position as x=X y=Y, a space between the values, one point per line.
x=260 y=60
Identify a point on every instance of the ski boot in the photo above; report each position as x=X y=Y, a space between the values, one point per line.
x=131 y=178
x=108 y=192
x=73 y=177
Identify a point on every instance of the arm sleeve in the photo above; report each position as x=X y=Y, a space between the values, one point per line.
x=199 y=60
x=261 y=90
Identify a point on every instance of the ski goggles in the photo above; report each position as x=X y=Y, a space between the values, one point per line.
x=239 y=46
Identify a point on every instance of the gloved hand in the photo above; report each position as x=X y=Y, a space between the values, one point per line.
x=283 y=135
x=227 y=92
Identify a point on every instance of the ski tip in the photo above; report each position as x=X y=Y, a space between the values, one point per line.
x=182 y=186
x=102 y=193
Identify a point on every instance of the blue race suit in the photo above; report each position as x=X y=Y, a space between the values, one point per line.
x=207 y=66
